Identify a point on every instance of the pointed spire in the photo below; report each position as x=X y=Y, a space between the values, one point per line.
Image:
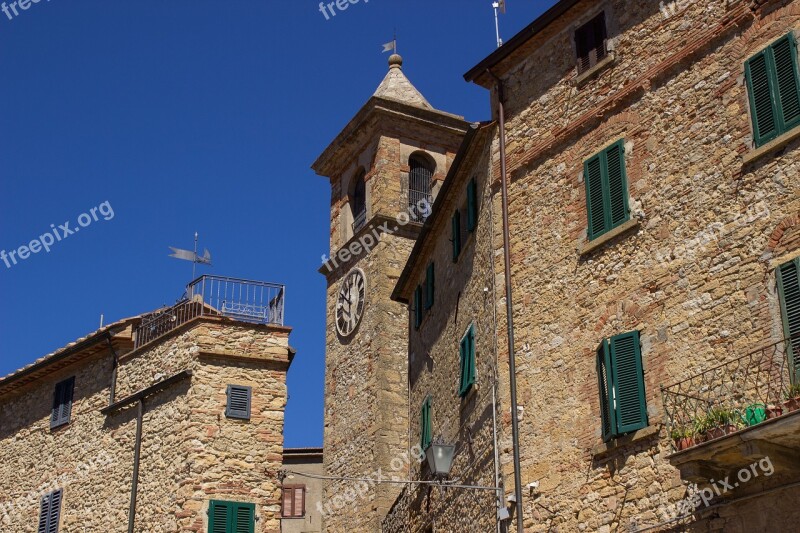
x=395 y=86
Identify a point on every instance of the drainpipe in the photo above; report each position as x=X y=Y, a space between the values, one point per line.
x=136 y=454
x=512 y=362
x=115 y=364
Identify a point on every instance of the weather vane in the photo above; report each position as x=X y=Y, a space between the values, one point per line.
x=188 y=255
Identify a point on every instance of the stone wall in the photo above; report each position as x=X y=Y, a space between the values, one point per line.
x=695 y=277
x=191 y=453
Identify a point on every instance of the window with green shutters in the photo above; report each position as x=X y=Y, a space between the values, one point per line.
x=456 y=234
x=425 y=424
x=774 y=89
x=231 y=517
x=418 y=309
x=430 y=285
x=620 y=376
x=467 y=356
x=606 y=190
x=788 y=276
x=472 y=205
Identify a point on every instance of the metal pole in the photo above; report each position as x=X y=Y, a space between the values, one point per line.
x=137 y=450
x=512 y=359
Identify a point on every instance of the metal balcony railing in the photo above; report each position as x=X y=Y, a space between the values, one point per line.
x=256 y=302
x=740 y=393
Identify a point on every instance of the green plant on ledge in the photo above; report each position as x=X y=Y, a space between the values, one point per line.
x=793 y=392
x=678 y=433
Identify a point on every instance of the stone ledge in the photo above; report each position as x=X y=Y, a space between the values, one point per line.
x=601 y=450
x=597 y=69
x=594 y=244
x=772 y=146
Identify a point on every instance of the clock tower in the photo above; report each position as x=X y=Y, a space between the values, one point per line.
x=385 y=168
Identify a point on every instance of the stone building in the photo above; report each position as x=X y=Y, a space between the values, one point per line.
x=654 y=217
x=171 y=421
x=301 y=500
x=384 y=168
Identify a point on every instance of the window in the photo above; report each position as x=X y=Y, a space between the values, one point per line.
x=606 y=190
x=293 y=501
x=418 y=309
x=456 y=235
x=590 y=42
x=50 y=512
x=788 y=276
x=231 y=517
x=420 y=180
x=623 y=406
x=472 y=205
x=358 y=203
x=429 y=286
x=238 y=402
x=774 y=90
x=467 y=353
x=425 y=424
x=62 y=403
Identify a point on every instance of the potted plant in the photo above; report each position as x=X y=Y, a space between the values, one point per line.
x=720 y=422
x=792 y=402
x=774 y=411
x=700 y=428
x=683 y=437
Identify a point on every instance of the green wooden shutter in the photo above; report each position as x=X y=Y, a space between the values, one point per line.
x=244 y=518
x=762 y=108
x=604 y=385
x=426 y=429
x=467 y=356
x=429 y=286
x=617 y=184
x=456 y=238
x=628 y=378
x=220 y=517
x=472 y=205
x=417 y=306
x=784 y=56
x=595 y=202
x=788 y=276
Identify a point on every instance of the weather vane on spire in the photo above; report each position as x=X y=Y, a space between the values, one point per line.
x=391 y=46
x=188 y=255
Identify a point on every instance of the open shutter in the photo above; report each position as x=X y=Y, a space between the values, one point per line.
x=417 y=306
x=467 y=353
x=456 y=239
x=299 y=502
x=44 y=514
x=608 y=423
x=244 y=518
x=425 y=424
x=238 y=402
x=595 y=202
x=62 y=403
x=789 y=294
x=220 y=517
x=762 y=108
x=628 y=379
x=784 y=55
x=617 y=184
x=55 y=511
x=472 y=205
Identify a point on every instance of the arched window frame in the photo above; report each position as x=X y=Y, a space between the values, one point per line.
x=420 y=182
x=358 y=199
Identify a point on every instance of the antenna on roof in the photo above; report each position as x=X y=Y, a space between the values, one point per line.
x=499 y=7
x=188 y=255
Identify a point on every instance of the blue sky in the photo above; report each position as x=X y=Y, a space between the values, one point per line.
x=192 y=115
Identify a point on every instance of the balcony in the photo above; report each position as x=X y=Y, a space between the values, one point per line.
x=736 y=413
x=256 y=302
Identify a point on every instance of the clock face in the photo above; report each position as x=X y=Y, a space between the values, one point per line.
x=350 y=304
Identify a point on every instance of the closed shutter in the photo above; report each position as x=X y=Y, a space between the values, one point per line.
x=429 y=286
x=456 y=238
x=472 y=205
x=789 y=294
x=244 y=518
x=44 y=514
x=762 y=108
x=62 y=403
x=299 y=502
x=50 y=512
x=604 y=385
x=628 y=379
x=595 y=201
x=219 y=518
x=784 y=54
x=238 y=402
x=286 y=501
x=606 y=190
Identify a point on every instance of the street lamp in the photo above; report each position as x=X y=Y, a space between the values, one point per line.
x=440 y=458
